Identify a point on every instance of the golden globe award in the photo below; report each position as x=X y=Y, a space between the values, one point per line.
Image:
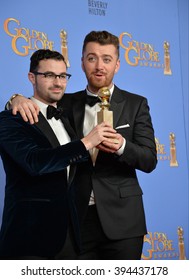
x=104 y=115
x=173 y=160
x=167 y=69
x=64 y=49
x=180 y=233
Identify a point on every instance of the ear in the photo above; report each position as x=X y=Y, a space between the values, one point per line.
x=82 y=66
x=117 y=66
x=31 y=77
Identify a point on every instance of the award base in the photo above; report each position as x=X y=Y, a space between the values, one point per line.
x=105 y=116
x=173 y=161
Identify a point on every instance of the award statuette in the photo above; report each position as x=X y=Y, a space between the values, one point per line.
x=181 y=244
x=104 y=115
x=64 y=49
x=167 y=69
x=173 y=160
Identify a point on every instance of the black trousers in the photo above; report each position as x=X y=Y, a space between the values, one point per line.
x=96 y=246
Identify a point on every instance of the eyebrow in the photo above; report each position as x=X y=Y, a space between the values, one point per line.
x=109 y=55
x=51 y=72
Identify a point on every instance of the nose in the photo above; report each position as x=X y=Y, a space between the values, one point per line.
x=99 y=64
x=57 y=80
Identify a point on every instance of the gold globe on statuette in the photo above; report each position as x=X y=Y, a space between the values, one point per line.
x=105 y=115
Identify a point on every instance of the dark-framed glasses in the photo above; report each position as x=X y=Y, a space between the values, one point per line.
x=64 y=77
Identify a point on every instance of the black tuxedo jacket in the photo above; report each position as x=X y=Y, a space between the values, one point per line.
x=114 y=181
x=39 y=200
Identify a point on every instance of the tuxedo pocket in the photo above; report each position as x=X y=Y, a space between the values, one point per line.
x=123 y=126
x=130 y=191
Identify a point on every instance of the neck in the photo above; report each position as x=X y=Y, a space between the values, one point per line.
x=45 y=101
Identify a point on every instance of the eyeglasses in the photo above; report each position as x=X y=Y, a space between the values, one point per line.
x=52 y=76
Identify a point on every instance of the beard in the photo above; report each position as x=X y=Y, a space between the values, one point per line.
x=95 y=83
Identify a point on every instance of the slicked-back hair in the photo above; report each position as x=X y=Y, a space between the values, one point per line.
x=102 y=38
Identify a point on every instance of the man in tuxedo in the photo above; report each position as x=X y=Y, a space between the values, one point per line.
x=39 y=218
x=109 y=196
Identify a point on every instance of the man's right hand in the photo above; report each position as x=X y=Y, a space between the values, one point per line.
x=102 y=133
x=27 y=109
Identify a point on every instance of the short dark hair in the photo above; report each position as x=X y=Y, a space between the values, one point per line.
x=42 y=54
x=103 y=38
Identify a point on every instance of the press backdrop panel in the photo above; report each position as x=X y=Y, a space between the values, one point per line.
x=149 y=67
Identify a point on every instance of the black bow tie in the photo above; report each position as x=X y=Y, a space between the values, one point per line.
x=54 y=112
x=92 y=100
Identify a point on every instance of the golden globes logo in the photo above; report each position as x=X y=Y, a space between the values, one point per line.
x=139 y=53
x=161 y=152
x=158 y=246
x=143 y=54
x=160 y=148
x=24 y=39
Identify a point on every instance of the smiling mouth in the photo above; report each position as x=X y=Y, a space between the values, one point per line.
x=56 y=89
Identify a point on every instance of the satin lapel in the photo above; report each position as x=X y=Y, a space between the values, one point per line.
x=117 y=105
x=68 y=128
x=46 y=129
x=44 y=126
x=78 y=107
x=72 y=135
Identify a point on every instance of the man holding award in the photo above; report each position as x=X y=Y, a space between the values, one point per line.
x=109 y=196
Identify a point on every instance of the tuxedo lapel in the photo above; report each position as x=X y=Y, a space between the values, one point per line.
x=117 y=105
x=46 y=129
x=78 y=107
x=68 y=128
x=72 y=135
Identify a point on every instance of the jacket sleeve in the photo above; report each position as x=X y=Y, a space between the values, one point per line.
x=140 y=150
x=30 y=149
